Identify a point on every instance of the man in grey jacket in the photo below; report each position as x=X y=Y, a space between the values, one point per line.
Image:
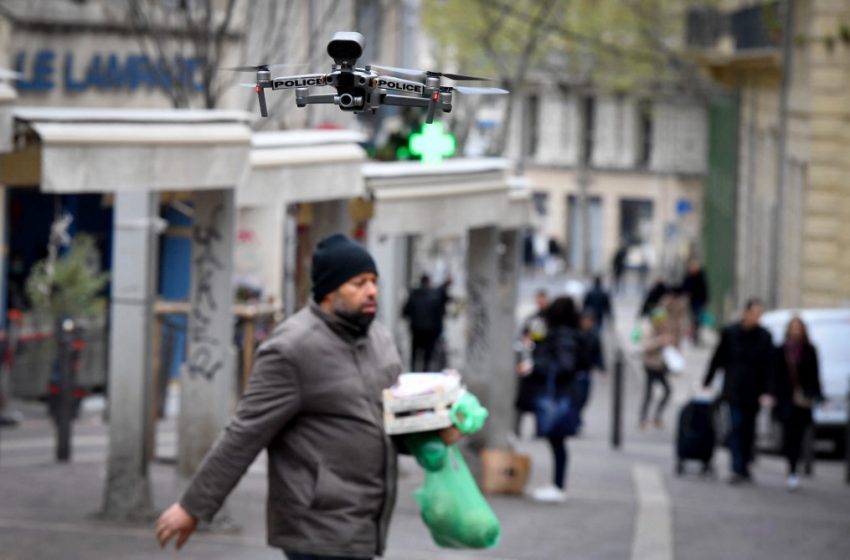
x=314 y=403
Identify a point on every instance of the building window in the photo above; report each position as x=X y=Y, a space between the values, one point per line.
x=532 y=129
x=588 y=114
x=644 y=151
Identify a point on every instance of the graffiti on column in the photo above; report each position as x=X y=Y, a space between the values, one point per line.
x=478 y=317
x=207 y=354
x=507 y=270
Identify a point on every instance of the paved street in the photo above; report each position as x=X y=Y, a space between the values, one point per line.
x=622 y=503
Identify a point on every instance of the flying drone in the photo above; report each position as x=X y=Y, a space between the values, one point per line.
x=367 y=88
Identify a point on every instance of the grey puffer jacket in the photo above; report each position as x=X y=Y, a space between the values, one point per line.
x=314 y=402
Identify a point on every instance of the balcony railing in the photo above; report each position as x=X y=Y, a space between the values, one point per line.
x=705 y=26
x=758 y=27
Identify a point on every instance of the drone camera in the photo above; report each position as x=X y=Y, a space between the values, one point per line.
x=346 y=47
x=349 y=101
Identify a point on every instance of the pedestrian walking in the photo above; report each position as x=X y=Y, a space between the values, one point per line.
x=592 y=342
x=653 y=297
x=655 y=368
x=597 y=302
x=795 y=387
x=676 y=303
x=557 y=360
x=618 y=266
x=745 y=354
x=313 y=402
x=425 y=310
x=533 y=332
x=695 y=287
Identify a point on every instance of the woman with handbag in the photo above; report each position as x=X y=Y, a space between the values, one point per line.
x=557 y=359
x=796 y=387
x=656 y=369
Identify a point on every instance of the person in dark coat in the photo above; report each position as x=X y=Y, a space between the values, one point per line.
x=425 y=309
x=653 y=297
x=533 y=332
x=796 y=387
x=695 y=286
x=745 y=354
x=313 y=403
x=597 y=302
x=563 y=352
x=618 y=265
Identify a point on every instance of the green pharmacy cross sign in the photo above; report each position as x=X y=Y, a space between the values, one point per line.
x=432 y=144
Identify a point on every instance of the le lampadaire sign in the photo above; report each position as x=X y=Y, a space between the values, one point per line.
x=46 y=70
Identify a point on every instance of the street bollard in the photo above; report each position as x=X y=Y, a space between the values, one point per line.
x=847 y=441
x=65 y=410
x=617 y=401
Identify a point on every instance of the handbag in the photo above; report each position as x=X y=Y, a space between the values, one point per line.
x=673 y=359
x=557 y=415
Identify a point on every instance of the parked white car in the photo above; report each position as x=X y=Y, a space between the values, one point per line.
x=829 y=331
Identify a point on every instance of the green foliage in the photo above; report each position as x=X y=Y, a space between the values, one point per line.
x=73 y=287
x=619 y=45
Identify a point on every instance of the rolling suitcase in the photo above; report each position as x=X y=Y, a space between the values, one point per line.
x=696 y=435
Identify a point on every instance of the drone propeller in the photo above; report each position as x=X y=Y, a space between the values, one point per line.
x=420 y=74
x=259 y=67
x=480 y=90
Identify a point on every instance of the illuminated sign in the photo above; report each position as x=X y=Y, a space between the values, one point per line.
x=45 y=71
x=432 y=144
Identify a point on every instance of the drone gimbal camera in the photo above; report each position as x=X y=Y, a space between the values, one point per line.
x=365 y=89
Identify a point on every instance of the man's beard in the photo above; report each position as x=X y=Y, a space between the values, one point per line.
x=355 y=317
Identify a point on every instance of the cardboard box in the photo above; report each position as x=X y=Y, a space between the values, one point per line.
x=504 y=472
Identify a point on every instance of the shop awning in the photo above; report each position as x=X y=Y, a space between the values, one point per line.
x=110 y=150
x=303 y=166
x=444 y=199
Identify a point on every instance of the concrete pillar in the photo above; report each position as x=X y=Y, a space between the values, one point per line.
x=490 y=323
x=503 y=333
x=290 y=259
x=207 y=384
x=259 y=257
x=388 y=252
x=134 y=257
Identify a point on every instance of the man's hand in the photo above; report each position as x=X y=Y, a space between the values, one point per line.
x=175 y=521
x=450 y=435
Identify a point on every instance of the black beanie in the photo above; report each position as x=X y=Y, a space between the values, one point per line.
x=336 y=260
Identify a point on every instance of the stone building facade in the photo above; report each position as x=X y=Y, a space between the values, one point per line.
x=793 y=217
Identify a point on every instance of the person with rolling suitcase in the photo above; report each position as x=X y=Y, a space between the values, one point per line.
x=695 y=435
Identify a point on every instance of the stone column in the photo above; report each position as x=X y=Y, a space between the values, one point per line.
x=484 y=370
x=134 y=257
x=207 y=384
x=387 y=250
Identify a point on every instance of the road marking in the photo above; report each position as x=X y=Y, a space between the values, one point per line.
x=653 y=536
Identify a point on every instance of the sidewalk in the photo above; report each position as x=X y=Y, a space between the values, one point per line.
x=622 y=504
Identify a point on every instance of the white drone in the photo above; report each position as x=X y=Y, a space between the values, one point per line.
x=364 y=89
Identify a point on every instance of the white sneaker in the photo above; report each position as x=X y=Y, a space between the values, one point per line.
x=549 y=494
x=793 y=483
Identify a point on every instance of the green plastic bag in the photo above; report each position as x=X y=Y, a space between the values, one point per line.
x=450 y=502
x=468 y=414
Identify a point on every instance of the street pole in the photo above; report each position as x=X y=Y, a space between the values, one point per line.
x=847 y=441
x=65 y=410
x=617 y=401
x=583 y=182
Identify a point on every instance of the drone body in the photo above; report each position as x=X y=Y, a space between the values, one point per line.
x=360 y=89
